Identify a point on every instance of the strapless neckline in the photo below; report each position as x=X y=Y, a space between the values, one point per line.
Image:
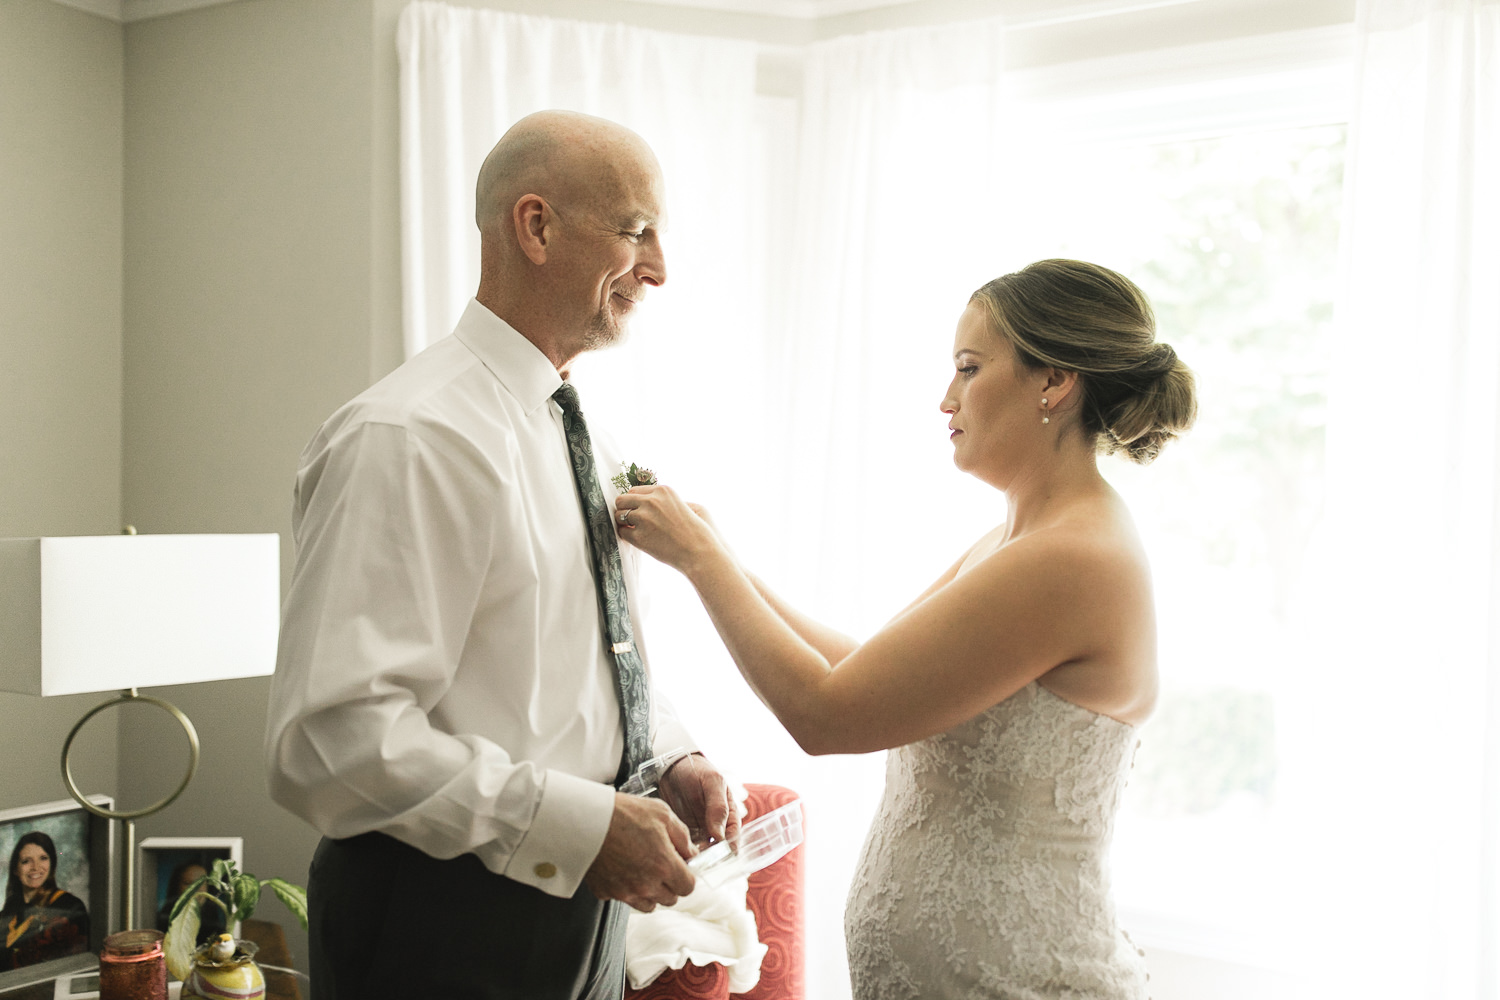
x=1082 y=708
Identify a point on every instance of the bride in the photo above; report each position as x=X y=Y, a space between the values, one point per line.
x=1011 y=689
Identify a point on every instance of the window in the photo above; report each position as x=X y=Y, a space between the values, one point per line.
x=1235 y=240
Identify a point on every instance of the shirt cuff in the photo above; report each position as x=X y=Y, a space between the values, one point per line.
x=565 y=834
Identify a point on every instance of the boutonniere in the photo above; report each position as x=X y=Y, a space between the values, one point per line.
x=633 y=475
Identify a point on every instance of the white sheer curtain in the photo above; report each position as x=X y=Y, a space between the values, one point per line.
x=896 y=192
x=467 y=75
x=900 y=191
x=1404 y=712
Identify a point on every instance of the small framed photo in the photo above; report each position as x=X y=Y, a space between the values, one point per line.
x=166 y=866
x=55 y=907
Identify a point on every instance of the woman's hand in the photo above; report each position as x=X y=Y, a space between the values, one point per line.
x=658 y=522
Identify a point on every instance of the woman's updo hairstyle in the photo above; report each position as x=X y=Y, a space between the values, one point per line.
x=1069 y=314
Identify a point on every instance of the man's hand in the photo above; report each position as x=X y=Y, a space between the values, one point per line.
x=698 y=794
x=643 y=860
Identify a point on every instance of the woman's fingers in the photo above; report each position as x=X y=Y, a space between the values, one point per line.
x=645 y=502
x=656 y=521
x=625 y=505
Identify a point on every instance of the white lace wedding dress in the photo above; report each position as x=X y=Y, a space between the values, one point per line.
x=986 y=871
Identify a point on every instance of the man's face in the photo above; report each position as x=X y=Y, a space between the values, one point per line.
x=610 y=252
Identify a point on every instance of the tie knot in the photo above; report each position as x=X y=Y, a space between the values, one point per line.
x=567 y=397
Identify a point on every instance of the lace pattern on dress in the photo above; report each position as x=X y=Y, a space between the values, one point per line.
x=985 y=873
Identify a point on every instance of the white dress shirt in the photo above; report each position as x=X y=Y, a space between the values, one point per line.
x=442 y=674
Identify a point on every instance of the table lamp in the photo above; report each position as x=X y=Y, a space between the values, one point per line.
x=121 y=612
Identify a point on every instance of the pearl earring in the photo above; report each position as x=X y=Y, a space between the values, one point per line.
x=1045 y=418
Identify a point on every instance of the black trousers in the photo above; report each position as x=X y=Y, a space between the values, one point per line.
x=388 y=922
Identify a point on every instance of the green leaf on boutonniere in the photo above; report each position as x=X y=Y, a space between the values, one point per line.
x=633 y=475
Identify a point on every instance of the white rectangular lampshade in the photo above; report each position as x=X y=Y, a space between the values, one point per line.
x=110 y=612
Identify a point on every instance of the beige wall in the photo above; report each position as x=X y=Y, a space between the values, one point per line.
x=248 y=318
x=61 y=97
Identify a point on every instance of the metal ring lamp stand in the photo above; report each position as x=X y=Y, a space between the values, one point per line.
x=128 y=817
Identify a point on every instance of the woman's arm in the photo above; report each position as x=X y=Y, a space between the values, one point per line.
x=937 y=585
x=833 y=644
x=973 y=641
x=830 y=643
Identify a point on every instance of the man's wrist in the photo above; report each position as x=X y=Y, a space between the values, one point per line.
x=672 y=766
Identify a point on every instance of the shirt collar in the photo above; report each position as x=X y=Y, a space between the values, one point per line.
x=510 y=357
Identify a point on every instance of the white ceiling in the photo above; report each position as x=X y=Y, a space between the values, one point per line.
x=802 y=10
x=136 y=10
x=1020 y=11
x=139 y=10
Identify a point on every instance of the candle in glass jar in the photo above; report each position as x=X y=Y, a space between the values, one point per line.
x=133 y=967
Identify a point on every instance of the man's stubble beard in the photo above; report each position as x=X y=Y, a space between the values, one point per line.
x=602 y=333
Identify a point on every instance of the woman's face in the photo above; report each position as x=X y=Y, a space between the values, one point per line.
x=991 y=401
x=185 y=878
x=33 y=868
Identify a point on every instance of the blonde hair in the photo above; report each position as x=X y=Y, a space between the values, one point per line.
x=1080 y=317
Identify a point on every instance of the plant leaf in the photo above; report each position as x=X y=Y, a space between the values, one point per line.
x=182 y=937
x=183 y=900
x=223 y=872
x=246 y=895
x=294 y=896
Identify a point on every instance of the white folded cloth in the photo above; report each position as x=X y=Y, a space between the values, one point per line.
x=707 y=925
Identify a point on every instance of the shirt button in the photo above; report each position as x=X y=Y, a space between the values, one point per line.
x=545 y=870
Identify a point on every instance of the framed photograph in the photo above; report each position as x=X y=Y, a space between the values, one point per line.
x=166 y=866
x=59 y=890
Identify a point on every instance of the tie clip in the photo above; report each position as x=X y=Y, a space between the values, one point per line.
x=622 y=647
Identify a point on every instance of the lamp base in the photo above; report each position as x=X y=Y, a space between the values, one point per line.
x=129 y=816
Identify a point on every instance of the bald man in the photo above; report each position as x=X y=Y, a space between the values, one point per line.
x=444 y=709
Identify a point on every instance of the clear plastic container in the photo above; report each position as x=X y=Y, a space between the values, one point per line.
x=762 y=842
x=648 y=775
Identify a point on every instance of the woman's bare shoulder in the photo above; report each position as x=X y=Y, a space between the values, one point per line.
x=1099 y=545
x=1111 y=613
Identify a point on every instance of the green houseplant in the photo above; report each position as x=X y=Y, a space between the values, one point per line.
x=231 y=890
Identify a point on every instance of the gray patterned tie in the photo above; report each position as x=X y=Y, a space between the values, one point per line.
x=630 y=672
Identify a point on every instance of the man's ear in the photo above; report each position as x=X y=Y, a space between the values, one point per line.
x=533 y=219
